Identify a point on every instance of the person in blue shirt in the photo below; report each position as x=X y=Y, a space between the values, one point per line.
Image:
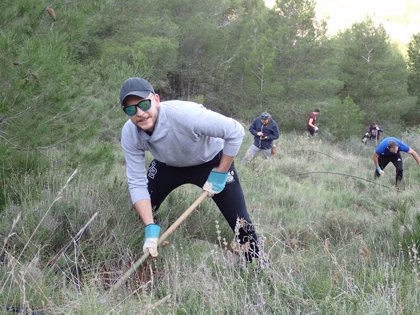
x=265 y=130
x=389 y=150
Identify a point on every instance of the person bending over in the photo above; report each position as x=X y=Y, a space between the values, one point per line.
x=373 y=133
x=389 y=150
x=190 y=145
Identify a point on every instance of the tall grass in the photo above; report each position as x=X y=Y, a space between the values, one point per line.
x=337 y=244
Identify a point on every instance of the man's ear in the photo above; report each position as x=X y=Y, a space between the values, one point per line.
x=157 y=98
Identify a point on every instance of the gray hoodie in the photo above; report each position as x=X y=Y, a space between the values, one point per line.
x=185 y=134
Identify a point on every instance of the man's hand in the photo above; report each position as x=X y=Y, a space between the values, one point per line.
x=315 y=128
x=379 y=170
x=260 y=134
x=151 y=235
x=216 y=182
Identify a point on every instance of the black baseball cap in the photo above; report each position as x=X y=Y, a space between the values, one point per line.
x=265 y=115
x=135 y=86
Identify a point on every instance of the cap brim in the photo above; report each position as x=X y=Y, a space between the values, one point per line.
x=141 y=94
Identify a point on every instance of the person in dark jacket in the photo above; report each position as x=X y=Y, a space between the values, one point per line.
x=265 y=130
x=373 y=133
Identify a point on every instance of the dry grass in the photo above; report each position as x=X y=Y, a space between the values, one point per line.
x=333 y=242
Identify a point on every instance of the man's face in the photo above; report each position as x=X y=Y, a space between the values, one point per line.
x=264 y=121
x=145 y=120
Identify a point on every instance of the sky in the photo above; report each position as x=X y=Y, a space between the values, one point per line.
x=401 y=18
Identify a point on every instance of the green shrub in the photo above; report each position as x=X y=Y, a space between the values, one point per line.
x=16 y=169
x=343 y=118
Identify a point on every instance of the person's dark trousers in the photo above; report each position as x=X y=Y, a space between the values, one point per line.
x=311 y=130
x=398 y=163
x=162 y=179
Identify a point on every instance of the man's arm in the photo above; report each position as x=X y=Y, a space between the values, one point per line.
x=414 y=155
x=225 y=163
x=137 y=183
x=375 y=159
x=310 y=123
x=144 y=210
x=253 y=128
x=276 y=133
x=378 y=169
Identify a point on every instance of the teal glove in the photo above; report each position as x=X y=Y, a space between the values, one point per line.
x=379 y=170
x=151 y=235
x=216 y=182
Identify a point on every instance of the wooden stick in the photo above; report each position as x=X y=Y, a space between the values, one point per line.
x=163 y=237
x=153 y=306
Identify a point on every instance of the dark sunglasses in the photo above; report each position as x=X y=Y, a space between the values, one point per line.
x=144 y=105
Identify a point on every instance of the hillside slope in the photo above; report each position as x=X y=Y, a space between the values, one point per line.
x=331 y=233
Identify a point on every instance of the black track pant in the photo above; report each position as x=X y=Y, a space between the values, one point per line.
x=162 y=179
x=311 y=130
x=398 y=163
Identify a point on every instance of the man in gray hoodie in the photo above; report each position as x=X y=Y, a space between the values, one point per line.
x=190 y=145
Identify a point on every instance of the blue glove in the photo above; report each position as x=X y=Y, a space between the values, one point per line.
x=379 y=170
x=151 y=235
x=216 y=182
